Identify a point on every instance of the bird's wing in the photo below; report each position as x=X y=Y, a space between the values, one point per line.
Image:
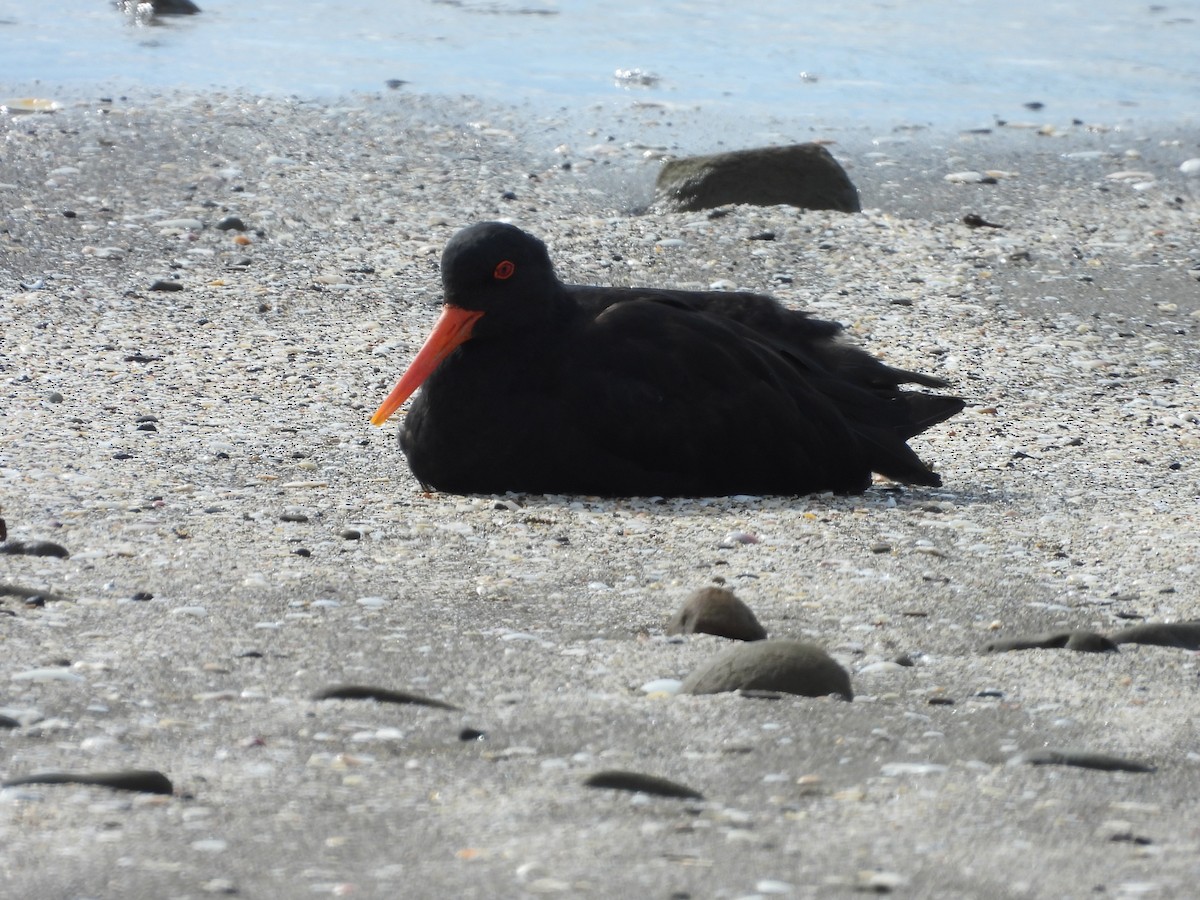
x=703 y=403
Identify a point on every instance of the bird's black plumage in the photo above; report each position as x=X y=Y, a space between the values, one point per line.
x=529 y=384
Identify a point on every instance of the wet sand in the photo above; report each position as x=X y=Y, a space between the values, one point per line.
x=240 y=538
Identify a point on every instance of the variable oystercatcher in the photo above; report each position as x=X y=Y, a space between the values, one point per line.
x=529 y=384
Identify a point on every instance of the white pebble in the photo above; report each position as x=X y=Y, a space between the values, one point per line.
x=898 y=769
x=42 y=675
x=180 y=224
x=662 y=686
x=770 y=886
x=1190 y=166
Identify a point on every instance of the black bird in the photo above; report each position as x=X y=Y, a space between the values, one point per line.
x=533 y=385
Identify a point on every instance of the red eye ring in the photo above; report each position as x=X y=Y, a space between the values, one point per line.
x=504 y=270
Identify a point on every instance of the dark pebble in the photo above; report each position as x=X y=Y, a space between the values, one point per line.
x=637 y=782
x=1184 y=635
x=122 y=456
x=15 y=590
x=382 y=695
x=940 y=701
x=471 y=734
x=34 y=548
x=147 y=781
x=231 y=223
x=142 y=596
x=162 y=285
x=1082 y=759
x=794 y=667
x=69 y=213
x=395 y=83
x=303 y=551
x=293 y=517
x=1080 y=640
x=351 y=534
x=147 y=426
x=971 y=220
x=9 y=722
x=718 y=611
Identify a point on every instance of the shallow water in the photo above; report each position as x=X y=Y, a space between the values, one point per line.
x=957 y=64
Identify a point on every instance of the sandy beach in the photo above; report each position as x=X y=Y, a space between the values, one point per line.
x=202 y=300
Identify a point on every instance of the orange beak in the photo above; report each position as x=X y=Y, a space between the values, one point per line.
x=452 y=328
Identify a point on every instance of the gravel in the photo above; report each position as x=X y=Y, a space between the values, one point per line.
x=261 y=542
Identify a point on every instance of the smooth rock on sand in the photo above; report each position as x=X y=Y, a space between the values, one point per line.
x=718 y=611
x=793 y=667
x=803 y=175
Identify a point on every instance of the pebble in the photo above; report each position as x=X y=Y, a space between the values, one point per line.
x=662 y=686
x=1081 y=759
x=901 y=769
x=636 y=78
x=883 y=667
x=793 y=667
x=638 y=782
x=379 y=694
x=1080 y=640
x=231 y=223
x=1184 y=635
x=48 y=674
x=771 y=886
x=717 y=611
x=142 y=780
x=180 y=224
x=969 y=178
x=34 y=548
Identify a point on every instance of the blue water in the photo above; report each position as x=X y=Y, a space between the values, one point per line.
x=851 y=62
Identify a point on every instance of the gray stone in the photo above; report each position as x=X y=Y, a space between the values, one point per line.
x=794 y=667
x=718 y=611
x=803 y=175
x=1185 y=635
x=1080 y=640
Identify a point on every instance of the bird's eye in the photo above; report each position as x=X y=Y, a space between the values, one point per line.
x=504 y=270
